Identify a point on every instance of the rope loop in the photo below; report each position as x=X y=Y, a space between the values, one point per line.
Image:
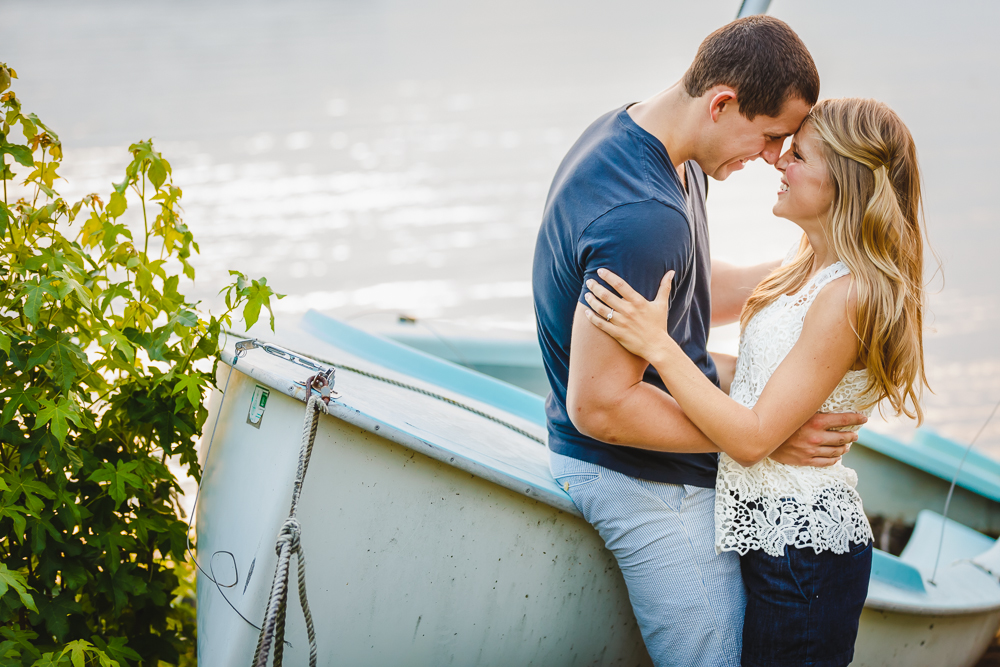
x=289 y=543
x=291 y=531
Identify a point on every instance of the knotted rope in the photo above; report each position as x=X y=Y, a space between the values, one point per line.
x=273 y=629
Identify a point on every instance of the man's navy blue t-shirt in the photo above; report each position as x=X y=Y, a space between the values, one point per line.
x=617 y=202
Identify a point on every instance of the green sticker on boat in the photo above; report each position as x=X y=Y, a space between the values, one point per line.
x=257 y=404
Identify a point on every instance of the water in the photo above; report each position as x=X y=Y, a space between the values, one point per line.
x=389 y=156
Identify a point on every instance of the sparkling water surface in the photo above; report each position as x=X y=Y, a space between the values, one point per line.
x=373 y=158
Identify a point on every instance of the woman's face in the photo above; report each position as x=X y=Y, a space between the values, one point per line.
x=806 y=192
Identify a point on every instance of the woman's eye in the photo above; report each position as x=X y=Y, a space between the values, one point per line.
x=797 y=156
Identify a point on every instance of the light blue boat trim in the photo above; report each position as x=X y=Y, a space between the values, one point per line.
x=428 y=368
x=940 y=457
x=475 y=351
x=928 y=439
x=891 y=570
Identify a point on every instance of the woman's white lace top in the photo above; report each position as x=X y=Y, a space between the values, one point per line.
x=770 y=505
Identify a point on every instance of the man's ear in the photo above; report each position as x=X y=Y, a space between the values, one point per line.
x=721 y=98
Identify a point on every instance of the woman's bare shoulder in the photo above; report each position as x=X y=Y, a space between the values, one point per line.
x=835 y=306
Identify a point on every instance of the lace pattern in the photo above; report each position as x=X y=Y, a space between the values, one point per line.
x=770 y=505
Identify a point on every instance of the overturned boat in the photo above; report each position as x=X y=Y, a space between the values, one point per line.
x=435 y=533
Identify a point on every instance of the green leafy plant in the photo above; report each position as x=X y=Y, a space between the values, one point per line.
x=104 y=365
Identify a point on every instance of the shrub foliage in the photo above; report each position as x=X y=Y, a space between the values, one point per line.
x=103 y=367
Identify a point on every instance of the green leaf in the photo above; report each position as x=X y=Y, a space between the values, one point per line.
x=116 y=649
x=251 y=311
x=116 y=340
x=17 y=395
x=30 y=489
x=60 y=349
x=22 y=154
x=143 y=278
x=58 y=414
x=119 y=478
x=68 y=284
x=74 y=575
x=4 y=217
x=23 y=639
x=15 y=580
x=157 y=172
x=258 y=295
x=35 y=120
x=191 y=384
x=55 y=613
x=80 y=649
x=16 y=515
x=114 y=291
x=117 y=205
x=34 y=293
x=185 y=318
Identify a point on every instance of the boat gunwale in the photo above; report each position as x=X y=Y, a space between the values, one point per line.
x=915 y=609
x=340 y=408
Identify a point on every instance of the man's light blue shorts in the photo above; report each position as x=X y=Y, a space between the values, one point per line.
x=689 y=601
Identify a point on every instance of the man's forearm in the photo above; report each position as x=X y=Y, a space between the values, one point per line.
x=732 y=286
x=607 y=400
x=648 y=418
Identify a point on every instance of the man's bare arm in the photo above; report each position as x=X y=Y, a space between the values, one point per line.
x=607 y=400
x=731 y=287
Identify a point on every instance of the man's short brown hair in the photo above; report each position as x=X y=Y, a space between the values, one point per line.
x=762 y=59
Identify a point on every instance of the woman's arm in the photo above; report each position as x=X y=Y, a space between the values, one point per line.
x=825 y=351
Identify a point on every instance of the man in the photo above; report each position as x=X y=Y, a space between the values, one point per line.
x=630 y=197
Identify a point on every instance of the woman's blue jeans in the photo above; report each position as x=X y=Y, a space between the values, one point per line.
x=803 y=608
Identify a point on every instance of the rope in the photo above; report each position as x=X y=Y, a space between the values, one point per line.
x=289 y=543
x=307 y=362
x=951 y=491
x=439 y=397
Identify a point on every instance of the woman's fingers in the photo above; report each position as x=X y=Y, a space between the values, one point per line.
x=663 y=294
x=620 y=286
x=604 y=294
x=599 y=321
x=596 y=306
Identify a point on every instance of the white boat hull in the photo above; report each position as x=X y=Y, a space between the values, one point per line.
x=411 y=561
x=894 y=639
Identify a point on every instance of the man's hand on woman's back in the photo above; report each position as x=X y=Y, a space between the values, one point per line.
x=815 y=444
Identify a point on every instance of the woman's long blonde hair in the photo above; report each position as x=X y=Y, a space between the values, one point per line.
x=875 y=230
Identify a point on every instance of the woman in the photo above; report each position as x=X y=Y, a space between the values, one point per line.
x=837 y=328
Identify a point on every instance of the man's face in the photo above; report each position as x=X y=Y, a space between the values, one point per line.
x=736 y=140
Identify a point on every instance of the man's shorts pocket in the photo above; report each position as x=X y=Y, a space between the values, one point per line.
x=571 y=480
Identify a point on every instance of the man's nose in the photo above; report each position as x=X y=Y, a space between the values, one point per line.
x=771 y=153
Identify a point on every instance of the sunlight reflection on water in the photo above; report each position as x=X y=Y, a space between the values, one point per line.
x=388 y=158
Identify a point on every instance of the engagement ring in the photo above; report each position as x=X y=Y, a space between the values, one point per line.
x=611 y=314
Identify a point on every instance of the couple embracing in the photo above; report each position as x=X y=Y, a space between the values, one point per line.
x=717 y=481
